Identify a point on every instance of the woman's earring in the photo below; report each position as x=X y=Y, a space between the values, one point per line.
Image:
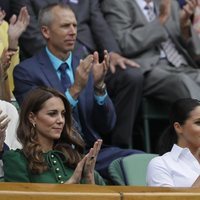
x=34 y=124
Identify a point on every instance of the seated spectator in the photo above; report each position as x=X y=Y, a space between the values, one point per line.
x=45 y=118
x=5 y=5
x=124 y=80
x=178 y=163
x=9 y=52
x=82 y=83
x=159 y=36
x=8 y=127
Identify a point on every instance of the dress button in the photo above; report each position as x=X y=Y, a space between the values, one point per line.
x=59 y=177
x=61 y=182
x=52 y=156
x=57 y=169
x=54 y=162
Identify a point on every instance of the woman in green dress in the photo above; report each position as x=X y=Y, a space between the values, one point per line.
x=45 y=122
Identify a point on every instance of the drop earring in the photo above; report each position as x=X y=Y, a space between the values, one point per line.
x=34 y=124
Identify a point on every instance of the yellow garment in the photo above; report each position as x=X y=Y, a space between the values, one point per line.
x=15 y=57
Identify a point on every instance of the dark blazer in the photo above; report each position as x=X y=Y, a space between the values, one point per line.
x=93 y=31
x=39 y=71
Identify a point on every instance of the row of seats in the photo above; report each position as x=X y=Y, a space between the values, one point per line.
x=24 y=191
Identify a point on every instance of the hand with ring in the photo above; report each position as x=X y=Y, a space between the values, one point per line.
x=88 y=171
x=85 y=168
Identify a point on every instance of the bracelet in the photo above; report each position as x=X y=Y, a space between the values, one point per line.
x=5 y=77
x=186 y=24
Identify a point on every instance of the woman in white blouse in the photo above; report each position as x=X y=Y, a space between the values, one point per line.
x=179 y=162
x=8 y=126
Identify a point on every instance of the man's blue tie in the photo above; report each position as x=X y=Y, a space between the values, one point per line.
x=64 y=78
x=66 y=83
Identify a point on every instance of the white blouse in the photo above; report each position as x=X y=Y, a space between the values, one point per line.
x=177 y=168
x=11 y=137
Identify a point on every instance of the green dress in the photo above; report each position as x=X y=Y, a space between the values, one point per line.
x=15 y=167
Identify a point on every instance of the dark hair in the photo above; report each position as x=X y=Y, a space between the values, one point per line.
x=46 y=17
x=26 y=134
x=180 y=112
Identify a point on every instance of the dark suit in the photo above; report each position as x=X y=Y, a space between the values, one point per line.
x=124 y=87
x=94 y=119
x=141 y=40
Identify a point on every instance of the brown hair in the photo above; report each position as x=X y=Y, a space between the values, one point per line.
x=26 y=134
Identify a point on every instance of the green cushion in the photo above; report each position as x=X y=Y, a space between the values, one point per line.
x=1 y=179
x=130 y=170
x=135 y=168
x=115 y=172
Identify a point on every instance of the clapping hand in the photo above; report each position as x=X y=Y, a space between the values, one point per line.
x=100 y=69
x=188 y=10
x=88 y=171
x=5 y=61
x=17 y=27
x=85 y=168
x=4 y=121
x=81 y=76
x=185 y=18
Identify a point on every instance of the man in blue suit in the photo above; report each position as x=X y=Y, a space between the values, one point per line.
x=86 y=90
x=124 y=87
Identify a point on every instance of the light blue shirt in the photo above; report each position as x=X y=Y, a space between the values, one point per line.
x=56 y=62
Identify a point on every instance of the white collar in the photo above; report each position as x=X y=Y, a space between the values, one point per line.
x=178 y=151
x=143 y=3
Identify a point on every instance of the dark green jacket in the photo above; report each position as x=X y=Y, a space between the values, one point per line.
x=15 y=167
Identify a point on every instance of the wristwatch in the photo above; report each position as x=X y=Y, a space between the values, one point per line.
x=100 y=89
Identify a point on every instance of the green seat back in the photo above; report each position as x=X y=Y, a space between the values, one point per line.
x=1 y=179
x=135 y=168
x=116 y=173
x=130 y=170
